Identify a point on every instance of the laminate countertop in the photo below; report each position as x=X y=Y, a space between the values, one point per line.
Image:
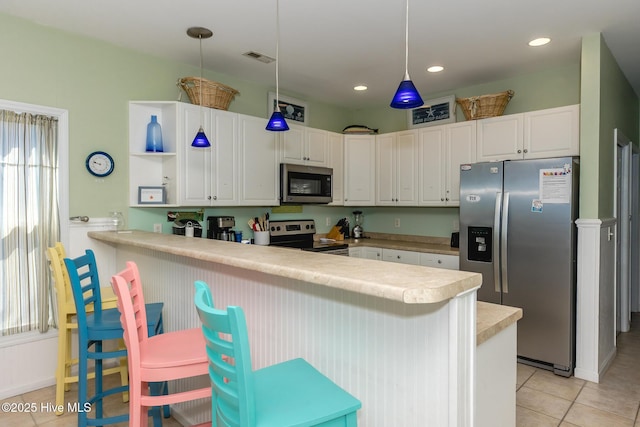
x=435 y=245
x=409 y=284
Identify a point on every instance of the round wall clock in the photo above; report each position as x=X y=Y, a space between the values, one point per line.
x=100 y=164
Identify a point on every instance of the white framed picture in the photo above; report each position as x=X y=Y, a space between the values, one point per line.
x=434 y=112
x=152 y=195
x=292 y=109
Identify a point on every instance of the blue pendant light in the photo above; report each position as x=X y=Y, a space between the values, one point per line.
x=407 y=95
x=201 y=140
x=277 y=123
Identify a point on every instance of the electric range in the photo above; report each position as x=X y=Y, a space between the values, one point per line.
x=298 y=234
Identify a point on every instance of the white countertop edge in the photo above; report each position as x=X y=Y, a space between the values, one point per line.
x=409 y=284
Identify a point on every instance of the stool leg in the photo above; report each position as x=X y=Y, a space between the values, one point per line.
x=61 y=369
x=124 y=373
x=82 y=385
x=98 y=381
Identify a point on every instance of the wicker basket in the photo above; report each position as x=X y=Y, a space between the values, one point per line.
x=481 y=107
x=214 y=94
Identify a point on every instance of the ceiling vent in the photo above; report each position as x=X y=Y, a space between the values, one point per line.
x=260 y=57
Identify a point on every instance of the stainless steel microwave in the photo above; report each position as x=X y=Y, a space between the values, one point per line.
x=305 y=184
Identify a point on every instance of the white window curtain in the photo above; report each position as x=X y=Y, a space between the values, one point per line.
x=30 y=220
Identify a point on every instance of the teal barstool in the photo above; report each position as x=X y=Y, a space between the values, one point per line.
x=95 y=328
x=292 y=393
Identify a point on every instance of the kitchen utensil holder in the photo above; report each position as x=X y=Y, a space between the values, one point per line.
x=261 y=238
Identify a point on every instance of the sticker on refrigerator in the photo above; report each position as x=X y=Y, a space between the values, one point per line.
x=555 y=185
x=473 y=198
x=536 y=205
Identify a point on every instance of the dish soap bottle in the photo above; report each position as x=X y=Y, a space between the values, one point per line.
x=154 y=136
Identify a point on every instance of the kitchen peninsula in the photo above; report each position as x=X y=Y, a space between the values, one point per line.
x=402 y=338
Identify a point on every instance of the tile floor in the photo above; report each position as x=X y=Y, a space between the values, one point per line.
x=543 y=399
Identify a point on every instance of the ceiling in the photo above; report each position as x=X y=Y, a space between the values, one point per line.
x=329 y=46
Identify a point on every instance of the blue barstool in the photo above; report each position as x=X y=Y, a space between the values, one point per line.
x=93 y=329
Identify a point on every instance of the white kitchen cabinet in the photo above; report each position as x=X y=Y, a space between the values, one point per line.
x=209 y=176
x=500 y=138
x=552 y=132
x=442 y=149
x=258 y=163
x=397 y=169
x=400 y=256
x=355 y=252
x=153 y=169
x=359 y=170
x=304 y=146
x=336 y=162
x=366 y=252
x=450 y=262
x=372 y=253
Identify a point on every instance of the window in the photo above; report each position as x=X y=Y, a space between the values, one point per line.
x=33 y=141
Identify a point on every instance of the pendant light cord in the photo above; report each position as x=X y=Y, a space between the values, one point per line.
x=406 y=44
x=277 y=108
x=201 y=116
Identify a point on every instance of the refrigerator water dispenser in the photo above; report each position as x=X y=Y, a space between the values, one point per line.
x=480 y=244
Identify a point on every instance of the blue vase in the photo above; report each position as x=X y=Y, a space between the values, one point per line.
x=154 y=136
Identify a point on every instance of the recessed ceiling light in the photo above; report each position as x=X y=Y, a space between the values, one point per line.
x=435 y=68
x=360 y=87
x=539 y=42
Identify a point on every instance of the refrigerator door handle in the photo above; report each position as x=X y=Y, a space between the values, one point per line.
x=496 y=239
x=503 y=242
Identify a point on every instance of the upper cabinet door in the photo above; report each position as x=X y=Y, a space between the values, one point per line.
x=304 y=146
x=336 y=162
x=258 y=155
x=195 y=163
x=460 y=149
x=316 y=146
x=225 y=158
x=552 y=133
x=386 y=169
x=500 y=138
x=407 y=168
x=359 y=170
x=432 y=166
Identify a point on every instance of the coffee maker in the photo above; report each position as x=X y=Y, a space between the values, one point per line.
x=220 y=228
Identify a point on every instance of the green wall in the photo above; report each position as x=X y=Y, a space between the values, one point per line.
x=608 y=103
x=548 y=88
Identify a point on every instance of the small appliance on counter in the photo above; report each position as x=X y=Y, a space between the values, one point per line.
x=358 y=218
x=220 y=228
x=186 y=226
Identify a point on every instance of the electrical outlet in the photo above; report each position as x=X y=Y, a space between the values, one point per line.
x=157 y=228
x=327 y=221
x=396 y=222
x=456 y=225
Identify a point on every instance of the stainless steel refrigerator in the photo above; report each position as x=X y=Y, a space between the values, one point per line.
x=517 y=228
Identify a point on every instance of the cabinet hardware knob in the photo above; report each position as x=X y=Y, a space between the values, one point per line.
x=526 y=151
x=215 y=197
x=439 y=261
x=208 y=197
x=441 y=199
x=398 y=256
x=447 y=199
x=519 y=151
